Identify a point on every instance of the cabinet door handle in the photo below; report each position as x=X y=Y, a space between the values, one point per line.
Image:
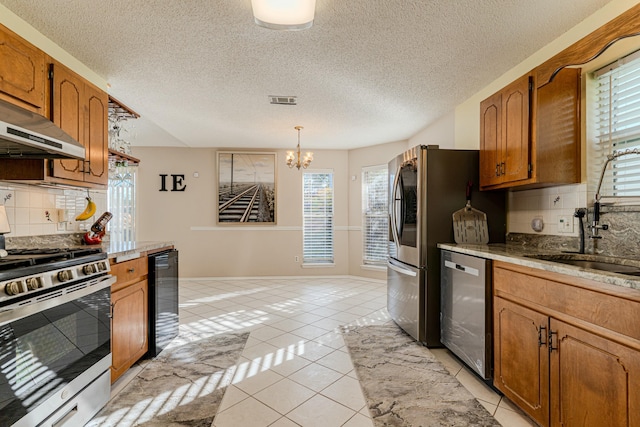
x=87 y=168
x=540 y=335
x=131 y=270
x=551 y=334
x=502 y=168
x=497 y=169
x=110 y=315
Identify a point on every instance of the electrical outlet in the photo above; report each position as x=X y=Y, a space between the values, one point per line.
x=565 y=224
x=296 y=258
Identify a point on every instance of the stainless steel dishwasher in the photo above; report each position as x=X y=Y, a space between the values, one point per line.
x=465 y=310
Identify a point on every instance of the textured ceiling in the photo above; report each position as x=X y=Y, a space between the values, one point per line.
x=368 y=71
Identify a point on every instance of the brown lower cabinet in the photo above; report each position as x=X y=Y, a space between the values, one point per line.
x=129 y=321
x=567 y=350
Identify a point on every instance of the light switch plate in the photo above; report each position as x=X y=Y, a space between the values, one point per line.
x=565 y=224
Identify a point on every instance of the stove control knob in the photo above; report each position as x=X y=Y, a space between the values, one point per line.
x=64 y=275
x=102 y=266
x=89 y=269
x=12 y=288
x=33 y=283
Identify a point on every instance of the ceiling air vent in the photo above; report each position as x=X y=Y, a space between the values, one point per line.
x=283 y=100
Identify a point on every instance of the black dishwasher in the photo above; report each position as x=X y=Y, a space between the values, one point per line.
x=163 y=300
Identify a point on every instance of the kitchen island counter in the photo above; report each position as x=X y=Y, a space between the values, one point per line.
x=524 y=256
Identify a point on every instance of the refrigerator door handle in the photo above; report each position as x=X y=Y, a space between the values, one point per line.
x=392 y=212
x=468 y=270
x=401 y=270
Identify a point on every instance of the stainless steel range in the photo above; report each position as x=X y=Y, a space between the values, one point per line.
x=55 y=336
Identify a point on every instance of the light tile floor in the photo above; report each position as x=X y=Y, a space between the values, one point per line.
x=295 y=369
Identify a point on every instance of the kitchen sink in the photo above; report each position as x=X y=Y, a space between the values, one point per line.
x=595 y=262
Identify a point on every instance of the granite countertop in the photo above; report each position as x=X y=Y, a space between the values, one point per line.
x=123 y=249
x=521 y=255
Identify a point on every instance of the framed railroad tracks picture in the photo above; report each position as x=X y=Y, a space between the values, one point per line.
x=246 y=188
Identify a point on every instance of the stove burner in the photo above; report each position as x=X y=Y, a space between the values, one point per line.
x=25 y=272
x=18 y=258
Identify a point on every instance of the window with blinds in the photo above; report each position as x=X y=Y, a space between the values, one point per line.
x=375 y=215
x=616 y=121
x=121 y=198
x=317 y=220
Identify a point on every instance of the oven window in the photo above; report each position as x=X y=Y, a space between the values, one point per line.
x=43 y=352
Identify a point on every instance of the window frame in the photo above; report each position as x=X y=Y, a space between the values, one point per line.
x=121 y=202
x=330 y=247
x=603 y=143
x=369 y=258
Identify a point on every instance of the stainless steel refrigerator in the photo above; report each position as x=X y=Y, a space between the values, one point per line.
x=426 y=186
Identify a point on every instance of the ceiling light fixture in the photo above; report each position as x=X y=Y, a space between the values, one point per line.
x=291 y=158
x=288 y=15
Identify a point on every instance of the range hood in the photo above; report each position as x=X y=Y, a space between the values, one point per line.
x=27 y=135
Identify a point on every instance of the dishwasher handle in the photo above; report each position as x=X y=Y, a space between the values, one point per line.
x=465 y=269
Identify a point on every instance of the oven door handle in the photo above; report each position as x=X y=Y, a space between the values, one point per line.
x=17 y=311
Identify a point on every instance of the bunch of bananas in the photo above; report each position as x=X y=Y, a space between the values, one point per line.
x=88 y=212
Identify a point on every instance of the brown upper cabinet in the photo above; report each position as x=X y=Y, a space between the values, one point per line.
x=81 y=110
x=32 y=80
x=22 y=72
x=504 y=126
x=530 y=136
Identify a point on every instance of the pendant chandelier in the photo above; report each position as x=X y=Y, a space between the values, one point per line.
x=292 y=160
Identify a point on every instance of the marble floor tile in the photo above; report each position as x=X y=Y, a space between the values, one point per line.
x=320 y=411
x=512 y=418
x=338 y=361
x=477 y=388
x=359 y=420
x=249 y=412
x=284 y=395
x=232 y=396
x=448 y=360
x=284 y=422
x=347 y=391
x=253 y=382
x=295 y=369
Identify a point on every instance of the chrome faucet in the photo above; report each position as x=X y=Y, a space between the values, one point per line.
x=595 y=223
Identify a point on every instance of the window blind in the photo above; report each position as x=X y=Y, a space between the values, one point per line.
x=616 y=120
x=317 y=211
x=121 y=198
x=375 y=215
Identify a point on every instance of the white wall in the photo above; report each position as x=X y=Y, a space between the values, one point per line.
x=441 y=133
x=358 y=159
x=209 y=250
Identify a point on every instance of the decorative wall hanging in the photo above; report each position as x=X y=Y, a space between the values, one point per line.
x=246 y=188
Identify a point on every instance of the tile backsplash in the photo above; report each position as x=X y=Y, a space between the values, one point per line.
x=35 y=210
x=548 y=204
